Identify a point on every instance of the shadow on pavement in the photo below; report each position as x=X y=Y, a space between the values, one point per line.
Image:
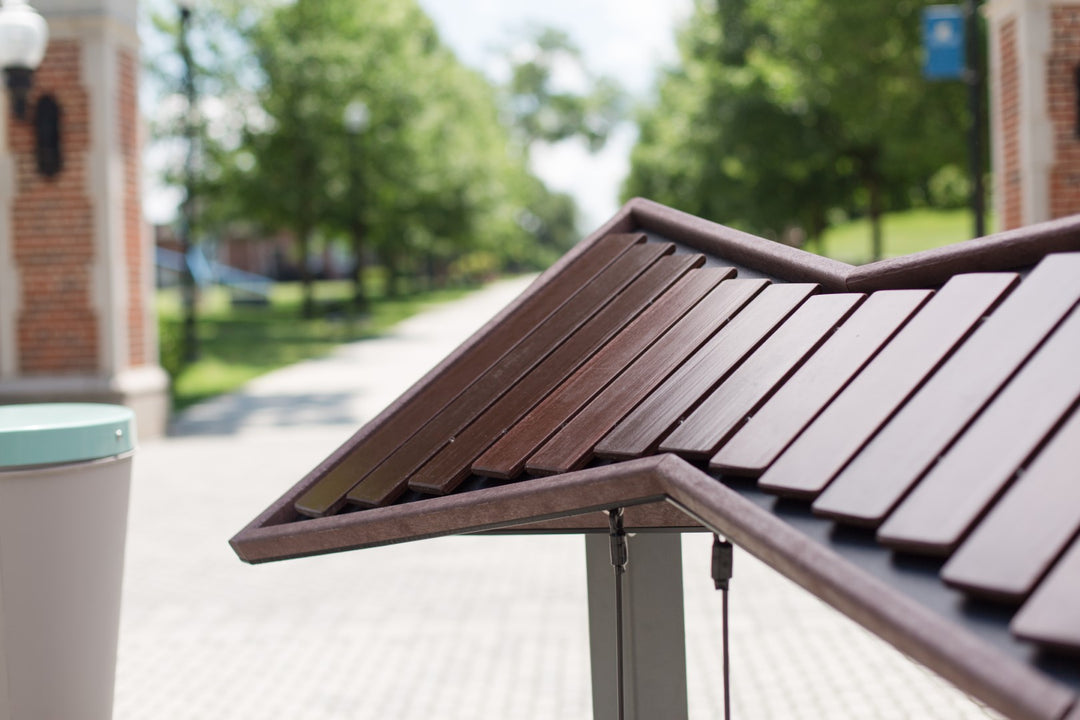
x=227 y=414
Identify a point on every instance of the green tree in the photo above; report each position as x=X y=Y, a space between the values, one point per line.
x=728 y=138
x=185 y=70
x=428 y=176
x=782 y=112
x=350 y=121
x=863 y=63
x=541 y=108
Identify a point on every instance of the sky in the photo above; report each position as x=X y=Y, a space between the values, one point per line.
x=625 y=39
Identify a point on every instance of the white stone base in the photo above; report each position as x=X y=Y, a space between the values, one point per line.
x=145 y=390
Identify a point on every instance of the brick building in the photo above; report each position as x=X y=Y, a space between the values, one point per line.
x=1034 y=119
x=76 y=314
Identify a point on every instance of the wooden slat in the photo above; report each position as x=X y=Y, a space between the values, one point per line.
x=831 y=440
x=875 y=480
x=1019 y=539
x=450 y=466
x=952 y=496
x=572 y=446
x=722 y=412
x=327 y=495
x=772 y=428
x=641 y=431
x=386 y=482
x=506 y=458
x=1052 y=615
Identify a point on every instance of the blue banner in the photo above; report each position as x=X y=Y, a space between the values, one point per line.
x=943 y=38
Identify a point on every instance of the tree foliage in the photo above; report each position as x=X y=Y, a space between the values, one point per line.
x=783 y=112
x=429 y=183
x=551 y=96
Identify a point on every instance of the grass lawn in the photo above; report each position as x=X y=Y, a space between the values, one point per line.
x=902 y=233
x=239 y=343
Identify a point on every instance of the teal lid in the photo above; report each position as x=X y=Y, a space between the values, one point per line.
x=63 y=432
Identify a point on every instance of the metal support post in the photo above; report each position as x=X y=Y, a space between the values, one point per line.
x=654 y=644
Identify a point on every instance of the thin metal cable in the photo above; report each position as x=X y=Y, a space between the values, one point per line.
x=727 y=663
x=620 y=687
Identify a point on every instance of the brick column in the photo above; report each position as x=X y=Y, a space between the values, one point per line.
x=1062 y=77
x=1034 y=61
x=76 y=275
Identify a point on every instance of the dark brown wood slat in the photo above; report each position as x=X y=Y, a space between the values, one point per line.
x=722 y=412
x=386 y=482
x=450 y=465
x=327 y=495
x=891 y=463
x=1051 y=616
x=772 y=428
x=1044 y=504
x=952 y=496
x=572 y=446
x=641 y=431
x=827 y=444
x=506 y=458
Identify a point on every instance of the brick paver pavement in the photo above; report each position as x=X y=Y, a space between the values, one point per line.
x=442 y=629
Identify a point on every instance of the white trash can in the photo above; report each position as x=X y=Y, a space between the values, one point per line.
x=65 y=472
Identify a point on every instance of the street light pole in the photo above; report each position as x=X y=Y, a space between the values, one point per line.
x=187 y=208
x=975 y=91
x=356 y=119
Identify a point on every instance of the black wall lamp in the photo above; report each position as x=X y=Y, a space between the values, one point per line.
x=23 y=37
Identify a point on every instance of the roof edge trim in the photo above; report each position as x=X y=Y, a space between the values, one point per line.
x=620 y=484
x=1006 y=250
x=767 y=256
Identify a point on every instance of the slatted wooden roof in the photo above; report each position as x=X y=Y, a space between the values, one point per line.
x=902 y=438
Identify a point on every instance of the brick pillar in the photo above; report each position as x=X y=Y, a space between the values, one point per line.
x=1063 y=75
x=1034 y=72
x=76 y=274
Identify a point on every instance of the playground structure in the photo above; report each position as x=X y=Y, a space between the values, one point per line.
x=244 y=287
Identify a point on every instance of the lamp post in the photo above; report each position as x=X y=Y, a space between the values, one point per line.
x=974 y=77
x=23 y=37
x=356 y=119
x=187 y=208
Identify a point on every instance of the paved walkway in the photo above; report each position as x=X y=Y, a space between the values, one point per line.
x=441 y=629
